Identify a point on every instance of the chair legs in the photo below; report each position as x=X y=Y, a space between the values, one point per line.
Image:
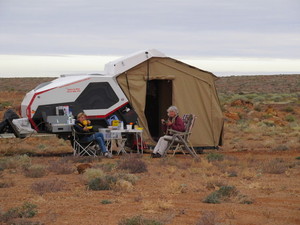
x=81 y=150
x=190 y=149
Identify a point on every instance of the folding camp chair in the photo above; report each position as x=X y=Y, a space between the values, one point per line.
x=178 y=140
x=81 y=148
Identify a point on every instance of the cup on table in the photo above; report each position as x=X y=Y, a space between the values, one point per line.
x=129 y=127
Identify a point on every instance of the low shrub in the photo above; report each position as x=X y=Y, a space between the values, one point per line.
x=281 y=148
x=35 y=171
x=275 y=166
x=27 y=210
x=139 y=220
x=289 y=109
x=105 y=202
x=116 y=182
x=213 y=198
x=290 y=118
x=60 y=167
x=92 y=173
x=244 y=199
x=222 y=195
x=215 y=157
x=128 y=177
x=107 y=167
x=208 y=218
x=51 y=185
x=122 y=185
x=232 y=173
x=98 y=184
x=258 y=108
x=132 y=164
x=6 y=183
x=15 y=162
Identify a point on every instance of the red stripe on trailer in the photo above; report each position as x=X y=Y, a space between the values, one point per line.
x=106 y=115
x=75 y=82
x=28 y=110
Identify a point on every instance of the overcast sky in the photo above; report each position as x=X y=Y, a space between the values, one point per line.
x=226 y=37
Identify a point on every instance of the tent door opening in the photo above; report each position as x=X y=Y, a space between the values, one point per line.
x=158 y=100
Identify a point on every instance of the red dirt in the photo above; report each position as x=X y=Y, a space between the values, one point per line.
x=173 y=189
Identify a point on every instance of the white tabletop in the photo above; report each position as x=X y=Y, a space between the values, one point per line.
x=126 y=131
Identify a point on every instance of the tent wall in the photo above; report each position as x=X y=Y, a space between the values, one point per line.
x=193 y=92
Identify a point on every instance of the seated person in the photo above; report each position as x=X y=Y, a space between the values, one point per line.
x=174 y=122
x=9 y=115
x=84 y=129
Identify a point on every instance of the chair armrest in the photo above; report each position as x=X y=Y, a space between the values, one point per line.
x=175 y=132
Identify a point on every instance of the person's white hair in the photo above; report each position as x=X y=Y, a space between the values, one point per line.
x=173 y=109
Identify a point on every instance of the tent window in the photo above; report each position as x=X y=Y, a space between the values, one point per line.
x=98 y=95
x=158 y=99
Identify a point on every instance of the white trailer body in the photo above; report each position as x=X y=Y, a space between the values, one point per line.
x=97 y=95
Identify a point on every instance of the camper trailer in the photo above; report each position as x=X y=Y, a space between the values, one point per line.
x=135 y=89
x=51 y=106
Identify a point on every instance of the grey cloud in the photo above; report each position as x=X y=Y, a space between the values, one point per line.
x=193 y=27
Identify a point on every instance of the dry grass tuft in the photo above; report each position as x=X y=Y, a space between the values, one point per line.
x=208 y=218
x=155 y=206
x=45 y=186
x=15 y=162
x=6 y=183
x=275 y=166
x=132 y=164
x=61 y=167
x=123 y=186
x=139 y=220
x=35 y=171
x=92 y=173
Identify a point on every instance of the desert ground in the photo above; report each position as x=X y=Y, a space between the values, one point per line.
x=253 y=179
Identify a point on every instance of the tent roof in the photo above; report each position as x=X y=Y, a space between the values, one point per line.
x=125 y=63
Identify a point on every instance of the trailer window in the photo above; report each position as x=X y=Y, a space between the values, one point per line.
x=98 y=95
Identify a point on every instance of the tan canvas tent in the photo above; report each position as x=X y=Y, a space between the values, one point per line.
x=157 y=82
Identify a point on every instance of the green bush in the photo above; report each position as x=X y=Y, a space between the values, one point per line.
x=257 y=108
x=91 y=174
x=223 y=194
x=213 y=198
x=105 y=202
x=289 y=109
x=98 y=184
x=215 y=157
x=109 y=182
x=139 y=220
x=290 y=118
x=27 y=210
